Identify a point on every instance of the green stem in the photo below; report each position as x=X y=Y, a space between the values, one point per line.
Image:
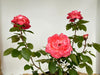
x=31 y=57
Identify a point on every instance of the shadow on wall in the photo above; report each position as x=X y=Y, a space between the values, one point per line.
x=98 y=37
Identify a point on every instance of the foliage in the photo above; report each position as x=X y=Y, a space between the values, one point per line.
x=76 y=59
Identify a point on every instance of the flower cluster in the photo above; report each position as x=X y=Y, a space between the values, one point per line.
x=62 y=56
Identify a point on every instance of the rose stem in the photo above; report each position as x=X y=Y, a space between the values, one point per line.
x=31 y=57
x=84 y=45
x=74 y=38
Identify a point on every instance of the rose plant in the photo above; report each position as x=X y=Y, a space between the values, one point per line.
x=62 y=56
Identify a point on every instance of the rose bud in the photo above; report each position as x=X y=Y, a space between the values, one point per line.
x=85 y=36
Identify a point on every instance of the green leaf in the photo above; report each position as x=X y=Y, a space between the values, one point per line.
x=21 y=43
x=79 y=44
x=89 y=70
x=8 y=51
x=91 y=53
x=29 y=45
x=15 y=38
x=71 y=37
x=96 y=46
x=43 y=52
x=82 y=65
x=33 y=54
x=23 y=38
x=20 y=56
x=13 y=29
x=37 y=54
x=26 y=53
x=83 y=27
x=74 y=27
x=27 y=67
x=78 y=39
x=15 y=53
x=73 y=72
x=60 y=71
x=35 y=73
x=30 y=31
x=73 y=58
x=86 y=59
x=43 y=60
x=82 y=22
x=89 y=45
x=52 y=67
x=68 y=26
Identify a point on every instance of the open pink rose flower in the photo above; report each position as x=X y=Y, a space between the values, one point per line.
x=59 y=46
x=21 y=20
x=74 y=15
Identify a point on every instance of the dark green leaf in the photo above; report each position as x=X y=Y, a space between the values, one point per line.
x=29 y=45
x=33 y=54
x=52 y=67
x=42 y=52
x=74 y=27
x=73 y=58
x=27 y=67
x=87 y=59
x=37 y=54
x=82 y=22
x=82 y=65
x=29 y=31
x=83 y=27
x=68 y=26
x=96 y=46
x=89 y=45
x=21 y=43
x=8 y=51
x=26 y=53
x=35 y=73
x=79 y=44
x=89 y=70
x=43 y=60
x=71 y=37
x=73 y=72
x=15 y=38
x=15 y=53
x=32 y=68
x=78 y=39
x=91 y=54
x=13 y=29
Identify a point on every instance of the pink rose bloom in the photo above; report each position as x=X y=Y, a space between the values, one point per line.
x=59 y=46
x=85 y=36
x=74 y=15
x=21 y=20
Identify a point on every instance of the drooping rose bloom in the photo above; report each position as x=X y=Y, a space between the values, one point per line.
x=74 y=15
x=59 y=46
x=21 y=20
x=85 y=36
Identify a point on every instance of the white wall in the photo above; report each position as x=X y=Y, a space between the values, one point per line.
x=47 y=18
